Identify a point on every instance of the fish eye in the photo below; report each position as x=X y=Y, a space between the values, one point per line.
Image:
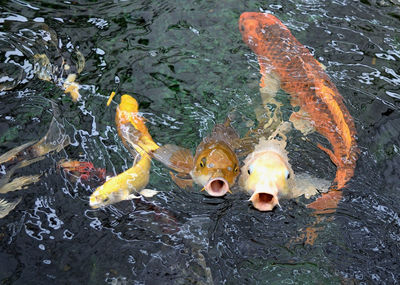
x=235 y=169
x=287 y=174
x=250 y=170
x=203 y=162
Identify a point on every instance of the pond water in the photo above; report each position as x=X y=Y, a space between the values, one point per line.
x=186 y=64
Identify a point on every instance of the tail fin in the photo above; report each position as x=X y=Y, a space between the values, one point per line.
x=327 y=203
x=55 y=139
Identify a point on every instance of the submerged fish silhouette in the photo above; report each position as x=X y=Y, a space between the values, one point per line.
x=54 y=140
x=285 y=63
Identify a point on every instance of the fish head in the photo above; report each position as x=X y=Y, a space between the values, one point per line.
x=253 y=27
x=126 y=108
x=101 y=198
x=216 y=167
x=265 y=176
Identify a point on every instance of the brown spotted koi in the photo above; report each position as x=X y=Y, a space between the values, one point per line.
x=285 y=63
x=215 y=165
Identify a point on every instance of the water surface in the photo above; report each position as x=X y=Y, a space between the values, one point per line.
x=186 y=64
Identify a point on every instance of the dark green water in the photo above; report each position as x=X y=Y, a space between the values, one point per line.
x=186 y=64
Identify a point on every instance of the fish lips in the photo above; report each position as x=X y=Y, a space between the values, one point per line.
x=265 y=199
x=217 y=187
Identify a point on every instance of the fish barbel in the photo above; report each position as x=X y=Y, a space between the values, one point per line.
x=215 y=165
x=285 y=63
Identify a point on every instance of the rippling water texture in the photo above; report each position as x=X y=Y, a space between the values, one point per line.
x=186 y=64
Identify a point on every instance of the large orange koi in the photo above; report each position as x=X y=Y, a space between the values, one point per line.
x=285 y=63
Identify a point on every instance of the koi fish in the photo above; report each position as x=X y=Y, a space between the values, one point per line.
x=18 y=183
x=83 y=170
x=135 y=136
x=287 y=64
x=214 y=166
x=123 y=186
x=267 y=175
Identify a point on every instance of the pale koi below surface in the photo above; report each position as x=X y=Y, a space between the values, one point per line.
x=22 y=156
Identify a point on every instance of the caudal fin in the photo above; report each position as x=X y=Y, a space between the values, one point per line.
x=327 y=203
x=6 y=207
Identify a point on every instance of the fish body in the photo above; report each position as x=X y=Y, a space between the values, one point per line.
x=131 y=126
x=123 y=186
x=215 y=165
x=280 y=55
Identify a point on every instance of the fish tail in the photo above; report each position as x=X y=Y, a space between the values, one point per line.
x=6 y=206
x=327 y=203
x=332 y=156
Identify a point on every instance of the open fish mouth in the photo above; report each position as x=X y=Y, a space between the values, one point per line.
x=217 y=187
x=264 y=201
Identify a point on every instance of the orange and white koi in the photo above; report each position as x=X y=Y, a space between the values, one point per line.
x=285 y=63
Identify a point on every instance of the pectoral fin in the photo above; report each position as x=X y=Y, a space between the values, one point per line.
x=181 y=181
x=175 y=157
x=269 y=86
x=301 y=120
x=148 y=193
x=307 y=185
x=330 y=153
x=55 y=139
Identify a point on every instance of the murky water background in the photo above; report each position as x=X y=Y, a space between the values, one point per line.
x=186 y=64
